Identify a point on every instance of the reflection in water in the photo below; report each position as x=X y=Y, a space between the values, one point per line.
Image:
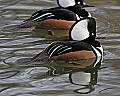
x=82 y=72
x=53 y=80
x=86 y=78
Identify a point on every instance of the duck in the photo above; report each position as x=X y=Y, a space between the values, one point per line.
x=82 y=44
x=61 y=17
x=58 y=18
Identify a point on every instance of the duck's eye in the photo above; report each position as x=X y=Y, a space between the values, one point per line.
x=78 y=2
x=92 y=34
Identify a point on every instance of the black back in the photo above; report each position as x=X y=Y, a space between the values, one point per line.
x=58 y=13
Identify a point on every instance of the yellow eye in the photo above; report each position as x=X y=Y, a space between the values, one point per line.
x=92 y=33
x=78 y=2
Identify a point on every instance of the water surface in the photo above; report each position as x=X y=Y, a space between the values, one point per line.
x=53 y=80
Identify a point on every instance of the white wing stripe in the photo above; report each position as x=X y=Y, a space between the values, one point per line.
x=54 y=51
x=50 y=16
x=51 y=48
x=60 y=50
x=35 y=15
x=65 y=50
x=43 y=16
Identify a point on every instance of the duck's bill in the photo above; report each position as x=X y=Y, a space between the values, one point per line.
x=86 y=5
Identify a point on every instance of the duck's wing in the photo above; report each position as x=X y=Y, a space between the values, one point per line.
x=53 y=13
x=58 y=48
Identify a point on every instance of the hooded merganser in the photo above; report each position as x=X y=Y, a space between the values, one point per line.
x=60 y=18
x=82 y=44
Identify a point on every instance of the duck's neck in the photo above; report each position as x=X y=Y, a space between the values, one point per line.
x=92 y=41
x=80 y=12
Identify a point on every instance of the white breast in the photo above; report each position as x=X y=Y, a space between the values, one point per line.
x=80 y=30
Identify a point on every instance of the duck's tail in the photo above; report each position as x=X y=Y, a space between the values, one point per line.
x=23 y=27
x=40 y=59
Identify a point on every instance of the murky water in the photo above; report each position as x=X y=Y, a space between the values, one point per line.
x=59 y=79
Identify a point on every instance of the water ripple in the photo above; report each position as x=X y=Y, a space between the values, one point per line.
x=17 y=80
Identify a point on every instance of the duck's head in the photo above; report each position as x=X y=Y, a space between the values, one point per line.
x=77 y=6
x=83 y=29
x=68 y=3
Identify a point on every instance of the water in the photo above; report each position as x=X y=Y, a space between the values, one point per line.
x=54 y=80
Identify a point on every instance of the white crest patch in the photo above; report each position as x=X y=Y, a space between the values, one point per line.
x=66 y=3
x=80 y=30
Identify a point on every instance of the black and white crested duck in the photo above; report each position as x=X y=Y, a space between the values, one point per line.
x=82 y=44
x=60 y=18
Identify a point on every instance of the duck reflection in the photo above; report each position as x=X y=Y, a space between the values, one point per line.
x=51 y=33
x=83 y=73
x=86 y=78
